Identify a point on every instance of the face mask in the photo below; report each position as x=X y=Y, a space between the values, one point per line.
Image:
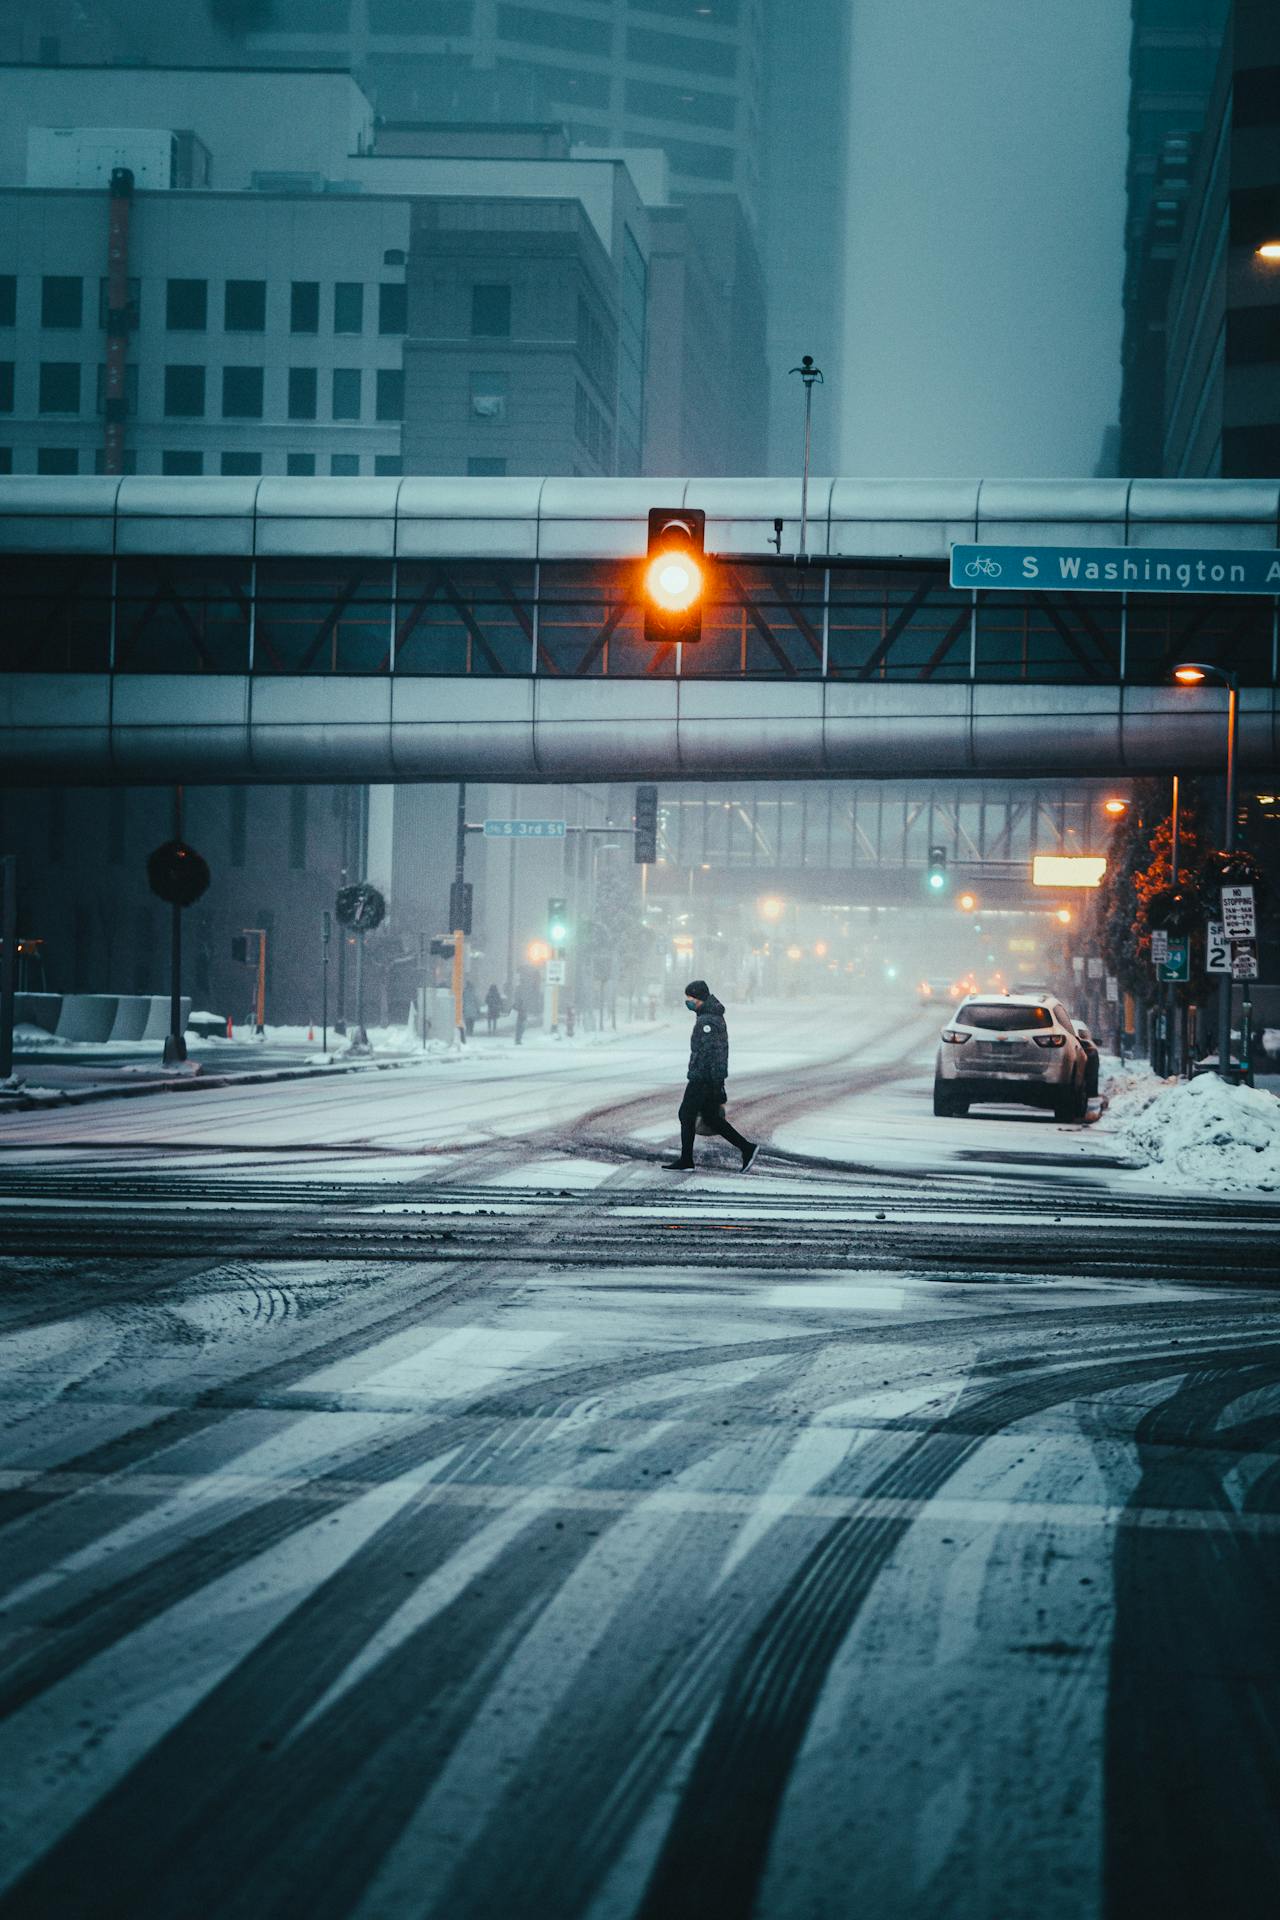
x=692 y=1005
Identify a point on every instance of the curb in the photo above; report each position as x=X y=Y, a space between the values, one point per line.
x=191 y=1083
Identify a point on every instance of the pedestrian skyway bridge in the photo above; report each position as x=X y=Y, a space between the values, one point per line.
x=417 y=629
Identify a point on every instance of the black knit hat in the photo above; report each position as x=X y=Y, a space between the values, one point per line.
x=697 y=990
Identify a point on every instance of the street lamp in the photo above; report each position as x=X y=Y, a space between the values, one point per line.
x=1115 y=807
x=1268 y=251
x=1191 y=673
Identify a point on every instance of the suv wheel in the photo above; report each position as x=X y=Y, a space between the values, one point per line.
x=944 y=1104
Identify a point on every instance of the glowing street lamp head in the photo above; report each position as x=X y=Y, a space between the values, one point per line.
x=673 y=581
x=1115 y=807
x=1269 y=250
x=772 y=908
x=967 y=902
x=1188 y=675
x=1064 y=916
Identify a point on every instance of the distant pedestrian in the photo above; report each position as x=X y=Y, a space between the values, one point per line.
x=492 y=1006
x=521 y=1013
x=702 y=1109
x=470 y=1007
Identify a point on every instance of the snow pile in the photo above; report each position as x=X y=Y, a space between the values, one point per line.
x=1202 y=1133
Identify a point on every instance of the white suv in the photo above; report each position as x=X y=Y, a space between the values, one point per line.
x=1017 y=1047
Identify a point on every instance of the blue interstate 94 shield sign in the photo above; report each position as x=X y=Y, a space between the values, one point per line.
x=1116 y=569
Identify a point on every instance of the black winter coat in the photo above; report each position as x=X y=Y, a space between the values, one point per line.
x=709 y=1049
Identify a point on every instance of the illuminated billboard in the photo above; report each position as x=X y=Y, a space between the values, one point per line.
x=1067 y=870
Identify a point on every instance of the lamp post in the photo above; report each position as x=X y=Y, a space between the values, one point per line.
x=811 y=375
x=1190 y=674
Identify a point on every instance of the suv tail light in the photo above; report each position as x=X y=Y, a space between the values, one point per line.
x=1050 y=1039
x=953 y=1038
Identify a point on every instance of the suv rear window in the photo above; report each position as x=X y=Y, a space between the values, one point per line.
x=997 y=1016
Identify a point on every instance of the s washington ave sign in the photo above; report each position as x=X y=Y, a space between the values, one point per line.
x=1117 y=569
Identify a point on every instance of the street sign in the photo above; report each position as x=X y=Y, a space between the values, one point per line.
x=524 y=829
x=1159 y=946
x=1178 y=964
x=1244 y=961
x=1113 y=987
x=999 y=569
x=1239 y=915
x=1217 y=948
x=555 y=973
x=1094 y=967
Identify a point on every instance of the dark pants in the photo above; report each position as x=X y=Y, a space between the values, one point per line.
x=701 y=1101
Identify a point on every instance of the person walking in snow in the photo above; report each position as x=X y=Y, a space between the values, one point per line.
x=470 y=1006
x=704 y=1096
x=492 y=1006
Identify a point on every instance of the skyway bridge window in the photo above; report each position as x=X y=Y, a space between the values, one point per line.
x=897 y=623
x=762 y=620
x=175 y=615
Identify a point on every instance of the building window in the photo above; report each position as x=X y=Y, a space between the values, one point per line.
x=132 y=303
x=130 y=389
x=237 y=827
x=8 y=299
x=554 y=29
x=302 y=393
x=304 y=307
x=62 y=300
x=245 y=306
x=6 y=386
x=682 y=52
x=590 y=428
x=186 y=306
x=181 y=460
x=489 y=396
x=6 y=459
x=128 y=460
x=348 y=307
x=393 y=306
x=57 y=460
x=344 y=465
x=241 y=463
x=300 y=465
x=480 y=466
x=60 y=386
x=491 y=313
x=297 y=828
x=346 y=393
x=390 y=397
x=184 y=393
x=388 y=466
x=242 y=393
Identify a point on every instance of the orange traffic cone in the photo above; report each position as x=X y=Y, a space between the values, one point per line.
x=231 y=1032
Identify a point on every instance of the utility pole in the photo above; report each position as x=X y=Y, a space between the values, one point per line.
x=1174 y=1062
x=8 y=957
x=459 y=914
x=175 y=1047
x=811 y=376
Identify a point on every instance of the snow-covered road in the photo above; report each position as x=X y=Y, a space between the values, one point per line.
x=415 y=1501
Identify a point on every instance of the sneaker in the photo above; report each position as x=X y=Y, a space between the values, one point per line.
x=749 y=1158
x=678 y=1166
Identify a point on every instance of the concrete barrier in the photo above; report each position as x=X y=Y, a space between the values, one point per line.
x=87 y=1016
x=133 y=1010
x=37 y=1010
x=158 y=1018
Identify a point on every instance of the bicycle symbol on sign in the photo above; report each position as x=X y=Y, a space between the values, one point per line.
x=977 y=568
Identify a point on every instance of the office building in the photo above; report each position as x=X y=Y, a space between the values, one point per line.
x=731 y=91
x=1173 y=56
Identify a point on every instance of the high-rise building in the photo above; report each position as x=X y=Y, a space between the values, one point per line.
x=1173 y=55
x=1222 y=374
x=745 y=98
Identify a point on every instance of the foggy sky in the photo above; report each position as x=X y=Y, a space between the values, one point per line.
x=986 y=232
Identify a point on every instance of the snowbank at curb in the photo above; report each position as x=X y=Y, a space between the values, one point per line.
x=1202 y=1133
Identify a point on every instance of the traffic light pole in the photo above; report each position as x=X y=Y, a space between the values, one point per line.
x=175 y=1047
x=459 y=937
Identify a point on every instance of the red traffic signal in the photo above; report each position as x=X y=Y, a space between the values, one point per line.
x=675 y=576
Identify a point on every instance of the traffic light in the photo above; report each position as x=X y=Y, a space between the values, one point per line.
x=646 y=835
x=936 y=872
x=674 y=575
x=557 y=922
